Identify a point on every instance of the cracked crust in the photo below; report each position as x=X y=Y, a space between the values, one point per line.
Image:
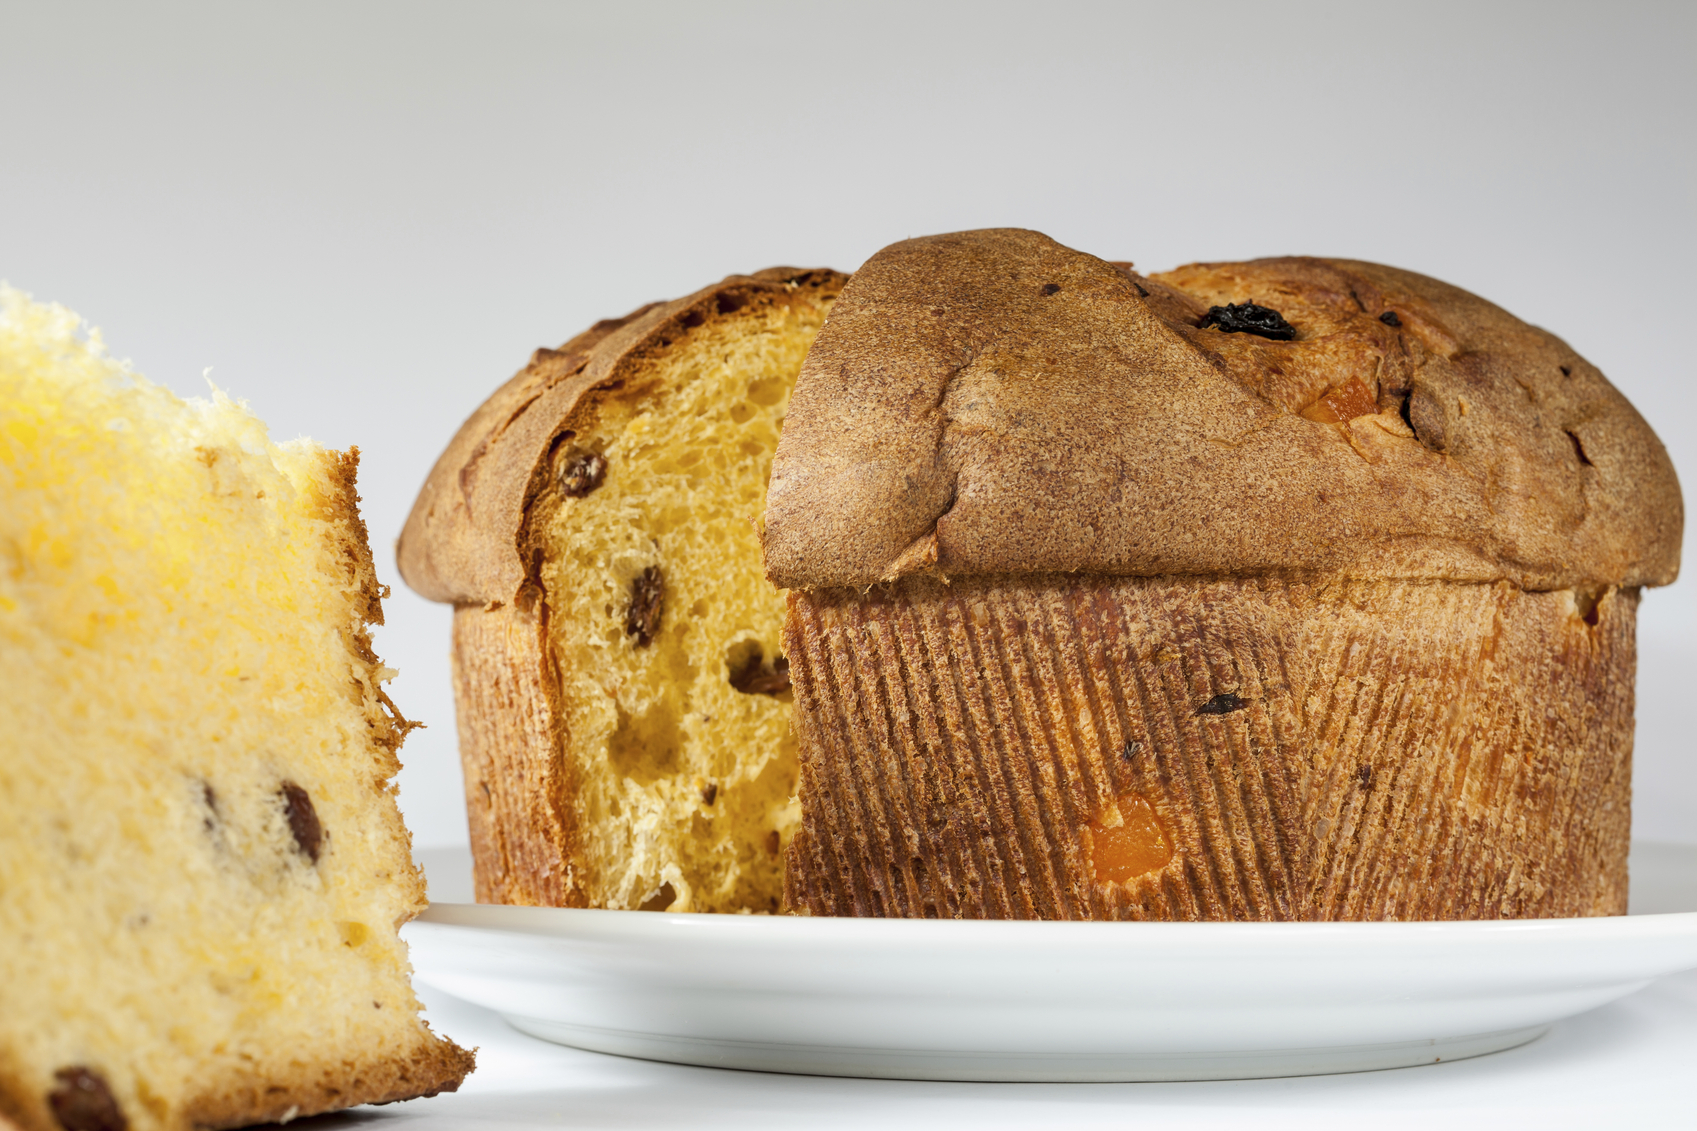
x=992 y=402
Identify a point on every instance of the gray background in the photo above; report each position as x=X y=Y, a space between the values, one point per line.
x=363 y=216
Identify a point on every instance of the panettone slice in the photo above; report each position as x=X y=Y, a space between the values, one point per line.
x=202 y=866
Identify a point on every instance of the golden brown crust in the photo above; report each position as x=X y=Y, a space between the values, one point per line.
x=1310 y=749
x=433 y=1066
x=512 y=738
x=995 y=403
x=463 y=541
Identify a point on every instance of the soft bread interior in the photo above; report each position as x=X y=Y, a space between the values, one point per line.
x=679 y=717
x=202 y=866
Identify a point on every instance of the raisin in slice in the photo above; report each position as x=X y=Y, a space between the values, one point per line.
x=303 y=820
x=647 y=601
x=582 y=474
x=1390 y=318
x=1249 y=318
x=82 y=1101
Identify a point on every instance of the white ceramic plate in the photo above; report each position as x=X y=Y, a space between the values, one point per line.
x=943 y=1000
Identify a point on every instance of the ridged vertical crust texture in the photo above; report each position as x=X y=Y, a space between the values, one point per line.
x=523 y=836
x=1310 y=750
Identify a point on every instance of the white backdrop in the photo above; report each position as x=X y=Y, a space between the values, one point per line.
x=364 y=216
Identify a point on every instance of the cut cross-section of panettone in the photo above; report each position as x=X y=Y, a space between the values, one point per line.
x=202 y=865
x=623 y=702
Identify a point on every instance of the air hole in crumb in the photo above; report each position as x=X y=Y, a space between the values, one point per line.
x=731 y=303
x=1390 y=318
x=768 y=391
x=660 y=900
x=1566 y=370
x=692 y=318
x=748 y=672
x=773 y=842
x=1130 y=750
x=1588 y=604
x=1578 y=448
x=645 y=747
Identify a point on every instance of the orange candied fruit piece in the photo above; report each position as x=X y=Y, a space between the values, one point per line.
x=1136 y=846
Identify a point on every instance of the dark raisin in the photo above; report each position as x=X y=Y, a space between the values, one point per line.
x=581 y=474
x=82 y=1101
x=303 y=820
x=211 y=798
x=1566 y=370
x=1390 y=318
x=757 y=679
x=660 y=900
x=692 y=318
x=1249 y=318
x=773 y=842
x=1364 y=776
x=647 y=600
x=731 y=303
x=709 y=793
x=1051 y=288
x=1222 y=704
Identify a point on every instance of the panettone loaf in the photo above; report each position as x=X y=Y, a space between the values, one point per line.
x=1293 y=589
x=624 y=709
x=202 y=865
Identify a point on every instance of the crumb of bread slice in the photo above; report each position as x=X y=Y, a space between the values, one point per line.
x=202 y=865
x=623 y=701
x=666 y=632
